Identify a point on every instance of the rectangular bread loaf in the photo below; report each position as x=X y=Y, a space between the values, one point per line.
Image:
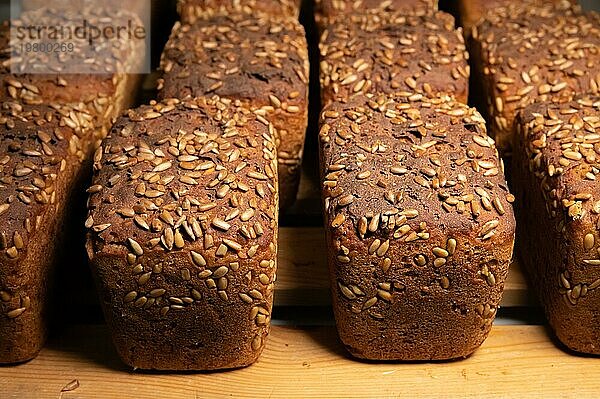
x=261 y=62
x=328 y=10
x=191 y=11
x=424 y=54
x=42 y=151
x=183 y=234
x=104 y=95
x=419 y=222
x=556 y=165
x=472 y=11
x=45 y=160
x=522 y=54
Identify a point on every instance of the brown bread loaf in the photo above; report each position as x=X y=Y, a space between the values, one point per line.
x=419 y=226
x=183 y=234
x=395 y=53
x=191 y=11
x=556 y=168
x=104 y=95
x=262 y=62
x=51 y=122
x=472 y=11
x=326 y=11
x=523 y=54
x=42 y=151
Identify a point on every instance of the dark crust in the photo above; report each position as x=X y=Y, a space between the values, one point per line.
x=262 y=62
x=104 y=95
x=328 y=10
x=83 y=107
x=41 y=155
x=155 y=176
x=191 y=11
x=559 y=207
x=520 y=51
x=48 y=89
x=428 y=161
x=471 y=11
x=395 y=53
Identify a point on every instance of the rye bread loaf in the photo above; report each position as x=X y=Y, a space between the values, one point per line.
x=183 y=234
x=472 y=11
x=104 y=95
x=527 y=53
x=42 y=153
x=556 y=165
x=326 y=11
x=261 y=62
x=191 y=11
x=62 y=117
x=392 y=53
x=419 y=225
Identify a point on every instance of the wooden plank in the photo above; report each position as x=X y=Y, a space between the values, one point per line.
x=309 y=362
x=302 y=277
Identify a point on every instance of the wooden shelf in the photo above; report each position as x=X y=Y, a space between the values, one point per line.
x=309 y=362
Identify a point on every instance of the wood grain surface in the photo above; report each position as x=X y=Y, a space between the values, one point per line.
x=309 y=362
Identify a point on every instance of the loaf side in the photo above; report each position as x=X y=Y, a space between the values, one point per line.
x=559 y=206
x=41 y=155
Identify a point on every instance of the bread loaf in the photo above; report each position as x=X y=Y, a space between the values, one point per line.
x=326 y=11
x=261 y=62
x=183 y=234
x=51 y=123
x=191 y=11
x=555 y=163
x=472 y=11
x=419 y=224
x=42 y=152
x=104 y=95
x=528 y=53
x=386 y=54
